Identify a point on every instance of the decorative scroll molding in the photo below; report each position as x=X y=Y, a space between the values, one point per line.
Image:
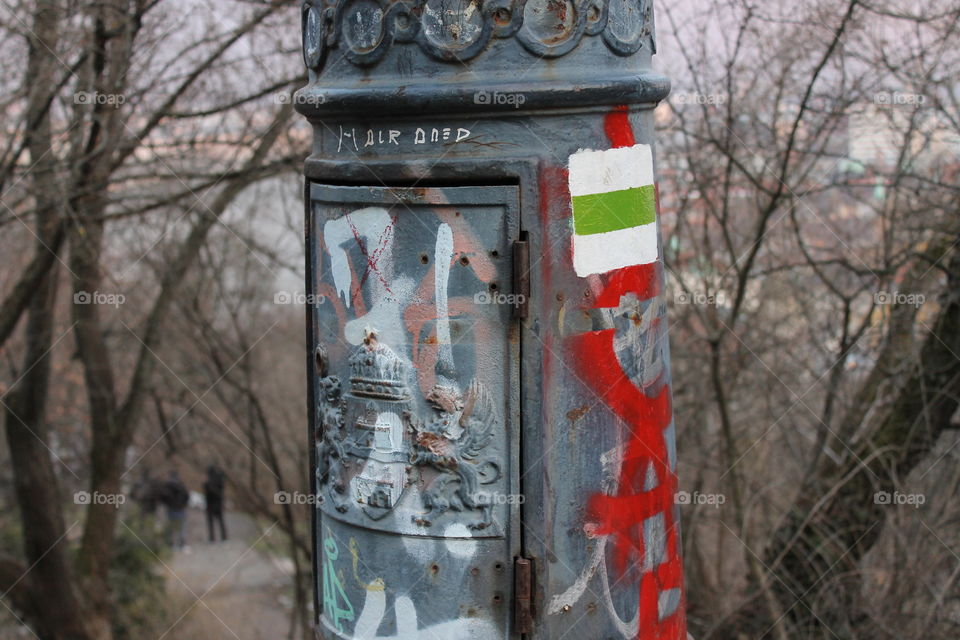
x=459 y=30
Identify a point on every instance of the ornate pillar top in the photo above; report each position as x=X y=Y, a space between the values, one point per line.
x=448 y=53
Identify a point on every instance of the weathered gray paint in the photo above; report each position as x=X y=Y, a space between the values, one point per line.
x=452 y=121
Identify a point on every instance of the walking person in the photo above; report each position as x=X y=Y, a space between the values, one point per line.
x=145 y=494
x=213 y=490
x=175 y=498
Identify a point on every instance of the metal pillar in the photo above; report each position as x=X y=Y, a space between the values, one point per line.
x=489 y=374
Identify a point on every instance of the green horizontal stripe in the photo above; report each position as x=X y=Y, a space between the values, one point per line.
x=615 y=210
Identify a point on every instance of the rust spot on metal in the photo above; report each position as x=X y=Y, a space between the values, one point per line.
x=523 y=593
x=438 y=446
x=575 y=414
x=559 y=8
x=468 y=407
x=443 y=398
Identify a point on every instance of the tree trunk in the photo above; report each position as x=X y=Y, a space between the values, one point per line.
x=49 y=576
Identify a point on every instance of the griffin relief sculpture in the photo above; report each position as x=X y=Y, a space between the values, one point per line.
x=452 y=442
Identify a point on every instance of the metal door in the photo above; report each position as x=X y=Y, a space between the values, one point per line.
x=416 y=389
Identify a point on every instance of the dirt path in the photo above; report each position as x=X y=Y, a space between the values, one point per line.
x=227 y=590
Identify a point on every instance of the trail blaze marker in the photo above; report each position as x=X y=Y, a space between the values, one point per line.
x=614 y=209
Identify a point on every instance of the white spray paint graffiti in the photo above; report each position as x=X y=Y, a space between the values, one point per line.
x=375 y=607
x=456 y=541
x=381 y=482
x=389 y=295
x=611 y=462
x=655 y=535
x=443 y=256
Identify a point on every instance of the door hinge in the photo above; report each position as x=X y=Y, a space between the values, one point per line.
x=522 y=596
x=521 y=278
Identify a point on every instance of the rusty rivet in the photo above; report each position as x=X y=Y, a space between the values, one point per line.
x=434 y=569
x=424 y=258
x=498 y=566
x=497 y=598
x=475 y=571
x=464 y=260
x=502 y=16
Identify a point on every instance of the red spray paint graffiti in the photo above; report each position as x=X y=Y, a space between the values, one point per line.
x=621 y=516
x=372 y=257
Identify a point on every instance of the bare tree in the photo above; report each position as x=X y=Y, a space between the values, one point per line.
x=801 y=272
x=127 y=112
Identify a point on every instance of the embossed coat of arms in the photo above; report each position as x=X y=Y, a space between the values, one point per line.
x=384 y=455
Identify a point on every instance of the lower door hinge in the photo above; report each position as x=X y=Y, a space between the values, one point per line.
x=522 y=596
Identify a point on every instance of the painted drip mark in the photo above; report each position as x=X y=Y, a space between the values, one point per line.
x=383 y=242
x=616 y=124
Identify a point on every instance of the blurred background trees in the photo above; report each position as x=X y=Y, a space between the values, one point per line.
x=151 y=234
x=140 y=139
x=809 y=164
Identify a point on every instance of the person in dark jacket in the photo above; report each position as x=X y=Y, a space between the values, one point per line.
x=213 y=490
x=175 y=498
x=147 y=492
